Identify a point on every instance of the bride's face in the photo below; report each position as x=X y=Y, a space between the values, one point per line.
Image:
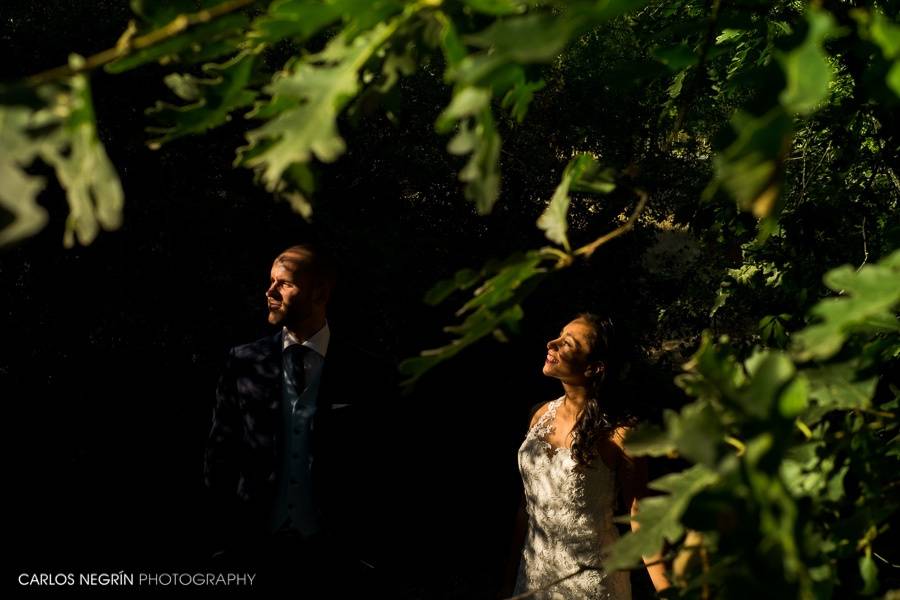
x=568 y=355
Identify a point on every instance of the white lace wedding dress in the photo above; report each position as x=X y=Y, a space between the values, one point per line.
x=570 y=521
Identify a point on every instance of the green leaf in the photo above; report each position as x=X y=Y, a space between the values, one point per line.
x=772 y=330
x=213 y=99
x=466 y=102
x=869 y=293
x=769 y=372
x=296 y=19
x=464 y=279
x=676 y=57
x=869 y=573
x=64 y=135
x=518 y=97
x=648 y=439
x=494 y=305
x=793 y=399
x=223 y=32
x=806 y=68
x=397 y=64
x=497 y=7
x=475 y=328
x=886 y=33
x=721 y=299
x=713 y=372
x=695 y=433
x=481 y=174
x=452 y=47
x=553 y=220
x=532 y=38
x=837 y=386
x=660 y=516
x=835 y=489
x=750 y=168
x=305 y=104
x=477 y=135
x=507 y=283
x=157 y=13
x=582 y=173
x=18 y=189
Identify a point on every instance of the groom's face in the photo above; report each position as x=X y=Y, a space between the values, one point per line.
x=293 y=296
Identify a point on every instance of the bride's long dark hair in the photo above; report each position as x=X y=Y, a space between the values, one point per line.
x=597 y=423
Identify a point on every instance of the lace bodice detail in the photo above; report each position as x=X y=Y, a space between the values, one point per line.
x=570 y=520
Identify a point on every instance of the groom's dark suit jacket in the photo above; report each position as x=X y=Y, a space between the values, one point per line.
x=243 y=454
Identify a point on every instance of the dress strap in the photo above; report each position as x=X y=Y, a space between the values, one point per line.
x=542 y=428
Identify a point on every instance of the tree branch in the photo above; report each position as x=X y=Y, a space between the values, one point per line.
x=127 y=46
x=589 y=249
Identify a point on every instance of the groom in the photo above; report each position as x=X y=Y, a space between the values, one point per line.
x=291 y=450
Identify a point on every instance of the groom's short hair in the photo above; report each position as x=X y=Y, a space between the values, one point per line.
x=311 y=258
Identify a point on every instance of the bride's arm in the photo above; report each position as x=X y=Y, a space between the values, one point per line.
x=632 y=475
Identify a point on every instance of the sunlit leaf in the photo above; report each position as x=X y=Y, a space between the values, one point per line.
x=553 y=221
x=886 y=34
x=189 y=46
x=806 y=67
x=497 y=7
x=870 y=292
x=869 y=573
x=749 y=169
x=769 y=372
x=648 y=439
x=18 y=189
x=526 y=39
x=519 y=93
x=660 y=516
x=794 y=398
x=837 y=386
x=297 y=19
x=68 y=142
x=157 y=13
x=213 y=99
x=694 y=433
x=466 y=102
x=495 y=304
x=583 y=173
x=462 y=280
x=305 y=104
x=676 y=57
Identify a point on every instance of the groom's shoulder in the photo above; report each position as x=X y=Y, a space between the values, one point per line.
x=260 y=348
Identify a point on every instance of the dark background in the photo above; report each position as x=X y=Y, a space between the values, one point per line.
x=110 y=353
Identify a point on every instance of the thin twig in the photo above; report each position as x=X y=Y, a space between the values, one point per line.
x=563 y=259
x=816 y=168
x=865 y=246
x=127 y=46
x=589 y=249
x=694 y=84
x=531 y=593
x=886 y=561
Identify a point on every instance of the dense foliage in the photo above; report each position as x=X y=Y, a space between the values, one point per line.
x=744 y=147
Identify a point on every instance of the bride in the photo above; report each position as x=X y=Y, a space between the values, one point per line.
x=573 y=466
